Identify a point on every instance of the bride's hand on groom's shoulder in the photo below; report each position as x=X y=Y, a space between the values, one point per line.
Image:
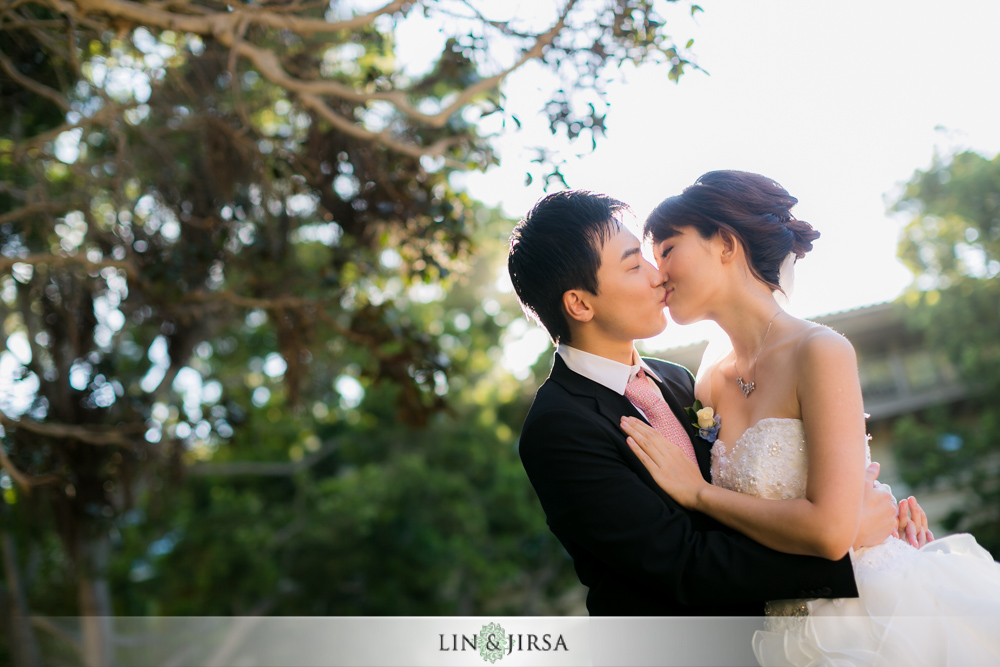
x=670 y=468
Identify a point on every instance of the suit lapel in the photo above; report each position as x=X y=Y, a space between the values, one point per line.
x=613 y=405
x=609 y=403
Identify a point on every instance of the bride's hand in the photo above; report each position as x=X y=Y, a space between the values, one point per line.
x=913 y=523
x=671 y=469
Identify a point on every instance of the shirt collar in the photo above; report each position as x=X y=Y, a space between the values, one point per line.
x=612 y=374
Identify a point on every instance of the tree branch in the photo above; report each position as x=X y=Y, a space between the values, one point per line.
x=45 y=623
x=503 y=26
x=32 y=209
x=262 y=468
x=15 y=4
x=225 y=27
x=19 y=477
x=13 y=191
x=140 y=14
x=32 y=85
x=55 y=260
x=310 y=27
x=489 y=83
x=219 y=23
x=22 y=480
x=436 y=149
x=109 y=436
x=270 y=67
x=103 y=116
x=282 y=303
x=276 y=303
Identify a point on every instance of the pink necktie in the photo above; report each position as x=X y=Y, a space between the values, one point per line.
x=645 y=396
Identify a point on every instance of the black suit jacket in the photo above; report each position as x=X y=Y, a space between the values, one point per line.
x=638 y=551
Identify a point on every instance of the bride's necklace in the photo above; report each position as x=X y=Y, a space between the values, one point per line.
x=748 y=387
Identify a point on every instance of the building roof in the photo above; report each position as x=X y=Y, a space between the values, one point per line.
x=853 y=320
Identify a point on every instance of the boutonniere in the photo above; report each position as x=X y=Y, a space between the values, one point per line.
x=705 y=420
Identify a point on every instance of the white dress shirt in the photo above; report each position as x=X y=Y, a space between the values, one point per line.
x=612 y=374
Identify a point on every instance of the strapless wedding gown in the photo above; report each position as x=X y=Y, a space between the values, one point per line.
x=938 y=605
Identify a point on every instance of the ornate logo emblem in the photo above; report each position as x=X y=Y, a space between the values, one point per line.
x=492 y=642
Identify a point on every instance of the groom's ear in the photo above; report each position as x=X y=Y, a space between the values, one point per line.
x=577 y=305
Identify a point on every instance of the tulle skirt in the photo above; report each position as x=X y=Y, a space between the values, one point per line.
x=938 y=605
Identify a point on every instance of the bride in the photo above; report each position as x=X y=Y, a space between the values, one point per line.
x=792 y=428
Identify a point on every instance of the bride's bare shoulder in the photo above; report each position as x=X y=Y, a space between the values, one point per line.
x=819 y=344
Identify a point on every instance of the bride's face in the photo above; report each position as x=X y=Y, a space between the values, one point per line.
x=690 y=267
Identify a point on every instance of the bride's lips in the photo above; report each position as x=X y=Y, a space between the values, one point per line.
x=666 y=295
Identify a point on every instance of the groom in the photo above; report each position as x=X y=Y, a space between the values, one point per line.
x=577 y=269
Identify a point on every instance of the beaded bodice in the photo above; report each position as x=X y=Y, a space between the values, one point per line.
x=768 y=461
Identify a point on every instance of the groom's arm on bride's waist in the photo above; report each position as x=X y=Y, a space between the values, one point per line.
x=606 y=515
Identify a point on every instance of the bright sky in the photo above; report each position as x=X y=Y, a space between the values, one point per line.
x=839 y=102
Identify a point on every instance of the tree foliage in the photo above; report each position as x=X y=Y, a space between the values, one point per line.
x=222 y=230
x=371 y=517
x=952 y=244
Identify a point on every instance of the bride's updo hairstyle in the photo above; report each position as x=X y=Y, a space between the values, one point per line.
x=752 y=208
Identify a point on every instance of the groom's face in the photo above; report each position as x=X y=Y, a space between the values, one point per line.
x=629 y=304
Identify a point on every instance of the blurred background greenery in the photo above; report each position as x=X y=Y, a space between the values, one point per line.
x=254 y=331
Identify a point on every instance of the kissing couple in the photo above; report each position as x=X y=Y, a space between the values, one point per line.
x=763 y=504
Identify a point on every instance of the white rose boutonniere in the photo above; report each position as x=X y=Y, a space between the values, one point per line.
x=705 y=420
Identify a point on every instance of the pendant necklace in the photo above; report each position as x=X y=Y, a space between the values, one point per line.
x=748 y=387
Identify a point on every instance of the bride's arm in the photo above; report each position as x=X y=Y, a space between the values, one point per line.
x=825 y=522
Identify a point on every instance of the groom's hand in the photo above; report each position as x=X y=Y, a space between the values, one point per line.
x=878 y=512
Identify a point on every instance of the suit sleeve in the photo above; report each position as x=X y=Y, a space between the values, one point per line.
x=592 y=497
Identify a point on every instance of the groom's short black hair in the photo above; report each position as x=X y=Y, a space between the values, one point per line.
x=557 y=248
